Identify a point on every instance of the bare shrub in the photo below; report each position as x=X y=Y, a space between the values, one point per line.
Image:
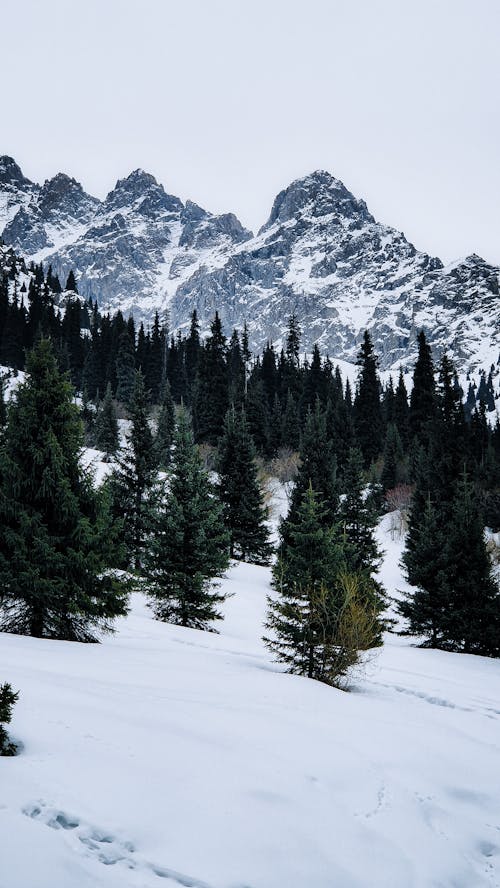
x=398 y=502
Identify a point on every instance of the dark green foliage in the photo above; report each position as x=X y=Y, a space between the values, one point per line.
x=125 y=367
x=318 y=467
x=423 y=393
x=239 y=490
x=190 y=546
x=456 y=605
x=311 y=557
x=71 y=282
x=56 y=539
x=212 y=394
x=3 y=406
x=318 y=623
x=367 y=406
x=7 y=700
x=165 y=428
x=358 y=520
x=402 y=411
x=132 y=484
x=106 y=436
x=394 y=470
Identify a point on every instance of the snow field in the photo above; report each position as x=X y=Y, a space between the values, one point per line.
x=173 y=756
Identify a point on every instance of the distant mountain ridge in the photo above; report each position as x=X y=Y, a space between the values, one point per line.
x=321 y=254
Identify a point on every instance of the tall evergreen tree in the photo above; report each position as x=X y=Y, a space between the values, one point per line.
x=367 y=406
x=456 y=605
x=423 y=393
x=318 y=467
x=363 y=557
x=106 y=436
x=190 y=546
x=132 y=484
x=56 y=538
x=311 y=557
x=212 y=397
x=239 y=490
x=165 y=428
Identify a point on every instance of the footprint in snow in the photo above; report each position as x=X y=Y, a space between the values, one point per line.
x=106 y=848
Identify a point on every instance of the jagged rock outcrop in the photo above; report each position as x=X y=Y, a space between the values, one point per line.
x=321 y=254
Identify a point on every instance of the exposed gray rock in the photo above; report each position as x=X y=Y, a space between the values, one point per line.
x=321 y=254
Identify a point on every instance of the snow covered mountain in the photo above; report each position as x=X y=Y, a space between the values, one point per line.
x=321 y=254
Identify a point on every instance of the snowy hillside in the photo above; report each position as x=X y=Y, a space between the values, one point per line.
x=167 y=756
x=321 y=254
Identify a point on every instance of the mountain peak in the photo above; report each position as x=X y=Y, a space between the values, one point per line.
x=319 y=193
x=142 y=190
x=11 y=173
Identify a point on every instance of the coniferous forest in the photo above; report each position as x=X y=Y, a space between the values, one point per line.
x=206 y=422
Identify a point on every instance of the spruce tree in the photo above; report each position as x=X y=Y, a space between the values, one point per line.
x=456 y=605
x=133 y=482
x=319 y=623
x=71 y=282
x=310 y=560
x=190 y=546
x=212 y=394
x=8 y=698
x=56 y=539
x=239 y=490
x=358 y=520
x=423 y=393
x=318 y=467
x=106 y=437
x=165 y=428
x=367 y=406
x=3 y=405
x=393 y=472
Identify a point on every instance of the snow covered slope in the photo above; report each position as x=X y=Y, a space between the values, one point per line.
x=167 y=756
x=321 y=254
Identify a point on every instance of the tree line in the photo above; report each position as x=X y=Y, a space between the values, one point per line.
x=62 y=540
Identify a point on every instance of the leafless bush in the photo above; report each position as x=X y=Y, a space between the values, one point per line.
x=284 y=467
x=398 y=502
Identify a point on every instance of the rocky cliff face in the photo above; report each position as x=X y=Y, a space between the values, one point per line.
x=321 y=254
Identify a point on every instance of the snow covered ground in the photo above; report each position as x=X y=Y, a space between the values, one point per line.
x=167 y=756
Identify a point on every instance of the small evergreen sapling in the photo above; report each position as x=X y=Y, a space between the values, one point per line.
x=8 y=698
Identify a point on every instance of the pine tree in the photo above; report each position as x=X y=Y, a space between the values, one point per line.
x=106 y=436
x=212 y=396
x=393 y=472
x=401 y=410
x=7 y=700
x=319 y=622
x=132 y=484
x=318 y=467
x=3 y=405
x=165 y=428
x=56 y=539
x=311 y=557
x=190 y=546
x=358 y=520
x=71 y=282
x=367 y=406
x=244 y=511
x=423 y=393
x=125 y=367
x=456 y=605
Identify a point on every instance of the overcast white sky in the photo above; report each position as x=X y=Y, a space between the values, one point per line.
x=226 y=102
